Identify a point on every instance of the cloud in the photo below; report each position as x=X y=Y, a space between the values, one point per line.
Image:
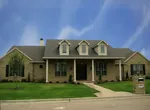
x=140 y=29
x=3 y=3
x=69 y=8
x=69 y=31
x=30 y=36
x=146 y=52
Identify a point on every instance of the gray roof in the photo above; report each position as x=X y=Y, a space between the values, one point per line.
x=51 y=49
x=36 y=53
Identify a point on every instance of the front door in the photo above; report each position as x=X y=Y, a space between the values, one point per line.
x=81 y=71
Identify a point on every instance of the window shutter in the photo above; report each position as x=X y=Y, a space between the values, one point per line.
x=7 y=70
x=143 y=69
x=131 y=68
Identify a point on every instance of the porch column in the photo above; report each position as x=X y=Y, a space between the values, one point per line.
x=92 y=70
x=46 y=71
x=120 y=71
x=74 y=70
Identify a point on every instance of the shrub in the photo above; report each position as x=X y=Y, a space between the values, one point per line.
x=50 y=82
x=70 y=80
x=23 y=80
x=147 y=77
x=29 y=77
x=78 y=82
x=106 y=81
x=112 y=80
x=10 y=81
x=4 y=80
x=41 y=80
x=57 y=81
x=65 y=81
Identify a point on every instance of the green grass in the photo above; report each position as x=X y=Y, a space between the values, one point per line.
x=43 y=91
x=124 y=86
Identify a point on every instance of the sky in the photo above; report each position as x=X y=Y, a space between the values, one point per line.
x=120 y=23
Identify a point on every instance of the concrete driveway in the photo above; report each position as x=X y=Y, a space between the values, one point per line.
x=124 y=103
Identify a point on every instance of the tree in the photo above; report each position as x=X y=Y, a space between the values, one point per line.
x=16 y=66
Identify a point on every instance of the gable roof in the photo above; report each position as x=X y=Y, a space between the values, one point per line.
x=64 y=41
x=128 y=58
x=100 y=43
x=51 y=50
x=84 y=41
x=34 y=52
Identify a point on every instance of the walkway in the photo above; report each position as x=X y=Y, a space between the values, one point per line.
x=103 y=92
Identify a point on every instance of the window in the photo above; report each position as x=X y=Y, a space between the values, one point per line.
x=64 y=49
x=61 y=69
x=83 y=48
x=41 y=66
x=102 y=48
x=101 y=68
x=12 y=72
x=137 y=69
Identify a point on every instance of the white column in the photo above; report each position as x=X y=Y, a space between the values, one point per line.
x=92 y=70
x=74 y=70
x=46 y=71
x=120 y=71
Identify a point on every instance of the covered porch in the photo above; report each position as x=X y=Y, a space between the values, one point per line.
x=84 y=69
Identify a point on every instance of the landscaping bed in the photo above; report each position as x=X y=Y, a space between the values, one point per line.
x=43 y=91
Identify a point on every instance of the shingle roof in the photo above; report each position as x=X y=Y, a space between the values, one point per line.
x=51 y=49
x=36 y=53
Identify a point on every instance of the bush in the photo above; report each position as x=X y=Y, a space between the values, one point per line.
x=70 y=80
x=4 y=80
x=23 y=80
x=106 y=81
x=10 y=81
x=65 y=81
x=57 y=81
x=42 y=80
x=112 y=80
x=50 y=82
x=147 y=77
x=29 y=77
x=78 y=82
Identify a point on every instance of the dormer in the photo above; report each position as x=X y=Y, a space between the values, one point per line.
x=101 y=48
x=83 y=47
x=64 y=47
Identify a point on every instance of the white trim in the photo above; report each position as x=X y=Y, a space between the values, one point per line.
x=120 y=71
x=133 y=55
x=83 y=57
x=64 y=41
x=74 y=70
x=84 y=41
x=17 y=50
x=46 y=71
x=38 y=61
x=93 y=70
x=100 y=43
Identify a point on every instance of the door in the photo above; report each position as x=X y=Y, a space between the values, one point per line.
x=81 y=72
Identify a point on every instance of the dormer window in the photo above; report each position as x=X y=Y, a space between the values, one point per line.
x=83 y=47
x=64 y=47
x=101 y=48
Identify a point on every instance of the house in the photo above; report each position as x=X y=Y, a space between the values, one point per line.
x=83 y=59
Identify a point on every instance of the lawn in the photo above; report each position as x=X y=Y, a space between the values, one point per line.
x=124 y=86
x=44 y=91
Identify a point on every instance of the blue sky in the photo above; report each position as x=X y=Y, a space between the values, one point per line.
x=121 y=23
